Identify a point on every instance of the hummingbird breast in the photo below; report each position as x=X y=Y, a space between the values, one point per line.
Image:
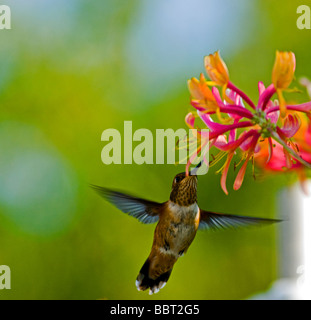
x=173 y=235
x=180 y=227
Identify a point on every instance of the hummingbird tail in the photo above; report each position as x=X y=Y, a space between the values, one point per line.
x=144 y=282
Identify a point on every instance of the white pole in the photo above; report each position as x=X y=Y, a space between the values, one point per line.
x=294 y=255
x=305 y=289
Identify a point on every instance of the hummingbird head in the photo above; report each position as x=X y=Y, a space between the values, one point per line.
x=184 y=189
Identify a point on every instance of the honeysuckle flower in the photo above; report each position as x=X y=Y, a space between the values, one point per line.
x=283 y=69
x=199 y=138
x=243 y=125
x=216 y=69
x=201 y=94
x=190 y=119
x=282 y=75
x=279 y=161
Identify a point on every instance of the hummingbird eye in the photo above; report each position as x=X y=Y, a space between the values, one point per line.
x=178 y=179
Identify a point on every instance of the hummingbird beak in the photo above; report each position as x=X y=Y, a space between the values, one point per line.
x=194 y=171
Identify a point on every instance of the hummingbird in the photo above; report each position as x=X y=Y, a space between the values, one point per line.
x=178 y=219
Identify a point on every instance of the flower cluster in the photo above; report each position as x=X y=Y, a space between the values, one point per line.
x=271 y=132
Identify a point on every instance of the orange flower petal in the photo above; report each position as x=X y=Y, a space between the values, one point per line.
x=216 y=69
x=225 y=173
x=201 y=94
x=284 y=69
x=240 y=176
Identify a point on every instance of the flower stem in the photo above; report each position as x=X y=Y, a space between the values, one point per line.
x=277 y=138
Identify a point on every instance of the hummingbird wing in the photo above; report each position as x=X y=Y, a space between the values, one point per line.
x=144 y=210
x=212 y=220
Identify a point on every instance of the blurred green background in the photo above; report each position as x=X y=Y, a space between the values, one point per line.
x=71 y=69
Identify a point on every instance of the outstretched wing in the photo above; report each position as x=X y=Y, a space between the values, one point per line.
x=143 y=210
x=212 y=220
